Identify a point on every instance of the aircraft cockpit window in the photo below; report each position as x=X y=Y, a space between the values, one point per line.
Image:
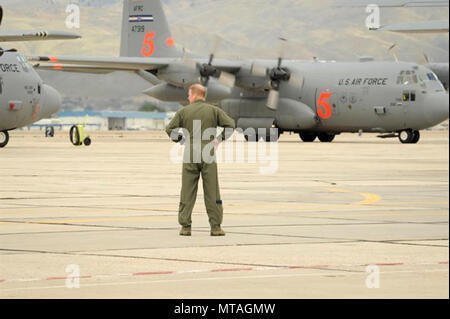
x=407 y=78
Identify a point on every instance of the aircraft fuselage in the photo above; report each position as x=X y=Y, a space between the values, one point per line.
x=349 y=97
x=24 y=98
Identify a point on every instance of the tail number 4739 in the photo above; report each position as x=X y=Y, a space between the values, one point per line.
x=323 y=106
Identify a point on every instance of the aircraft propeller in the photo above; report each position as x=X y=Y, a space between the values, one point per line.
x=278 y=75
x=207 y=70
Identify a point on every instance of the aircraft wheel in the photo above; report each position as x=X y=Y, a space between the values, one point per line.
x=308 y=137
x=274 y=136
x=416 y=138
x=407 y=136
x=4 y=138
x=326 y=137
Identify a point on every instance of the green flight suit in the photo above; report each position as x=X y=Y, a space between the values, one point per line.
x=194 y=166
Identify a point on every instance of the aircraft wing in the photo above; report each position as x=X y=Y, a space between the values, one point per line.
x=78 y=69
x=395 y=3
x=419 y=27
x=13 y=36
x=128 y=63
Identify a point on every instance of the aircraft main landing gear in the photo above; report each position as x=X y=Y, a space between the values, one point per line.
x=409 y=137
x=4 y=138
x=308 y=137
x=326 y=137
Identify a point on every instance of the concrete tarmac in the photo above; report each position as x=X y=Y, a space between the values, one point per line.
x=359 y=218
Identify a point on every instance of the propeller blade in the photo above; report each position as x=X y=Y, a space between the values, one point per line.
x=217 y=41
x=273 y=100
x=390 y=50
x=282 y=50
x=227 y=79
x=188 y=62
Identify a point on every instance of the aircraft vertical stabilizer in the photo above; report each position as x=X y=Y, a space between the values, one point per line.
x=145 y=31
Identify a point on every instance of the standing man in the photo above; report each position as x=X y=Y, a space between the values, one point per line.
x=195 y=119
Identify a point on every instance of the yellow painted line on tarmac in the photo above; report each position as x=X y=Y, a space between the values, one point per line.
x=369 y=198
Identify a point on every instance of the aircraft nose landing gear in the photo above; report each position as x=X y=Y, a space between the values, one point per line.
x=4 y=138
x=409 y=137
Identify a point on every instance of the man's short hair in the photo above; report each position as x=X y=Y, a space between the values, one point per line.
x=198 y=90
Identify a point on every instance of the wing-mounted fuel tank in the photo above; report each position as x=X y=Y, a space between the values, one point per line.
x=291 y=115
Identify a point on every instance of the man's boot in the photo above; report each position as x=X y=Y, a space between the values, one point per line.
x=185 y=231
x=217 y=232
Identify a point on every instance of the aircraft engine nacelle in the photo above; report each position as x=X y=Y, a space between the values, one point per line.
x=169 y=93
x=295 y=115
x=246 y=80
x=179 y=74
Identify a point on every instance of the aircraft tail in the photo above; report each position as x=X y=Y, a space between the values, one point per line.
x=145 y=31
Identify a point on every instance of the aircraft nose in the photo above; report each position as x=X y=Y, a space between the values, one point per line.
x=50 y=101
x=436 y=108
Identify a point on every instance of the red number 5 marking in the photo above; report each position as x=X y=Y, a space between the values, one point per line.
x=148 y=46
x=323 y=106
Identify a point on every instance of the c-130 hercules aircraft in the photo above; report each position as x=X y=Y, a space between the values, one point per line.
x=24 y=98
x=315 y=99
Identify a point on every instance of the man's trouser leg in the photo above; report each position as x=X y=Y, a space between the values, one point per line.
x=191 y=175
x=213 y=202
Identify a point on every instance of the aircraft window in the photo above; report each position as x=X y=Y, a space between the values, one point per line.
x=406 y=96
x=407 y=79
x=413 y=96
